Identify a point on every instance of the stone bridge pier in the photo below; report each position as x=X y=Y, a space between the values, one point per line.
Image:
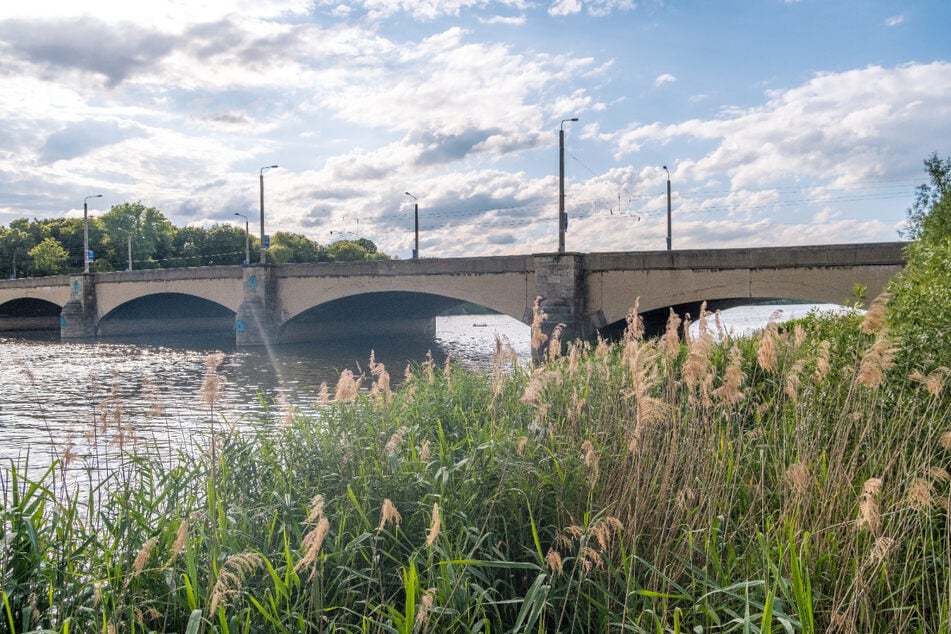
x=78 y=318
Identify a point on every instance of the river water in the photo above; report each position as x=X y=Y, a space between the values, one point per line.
x=89 y=402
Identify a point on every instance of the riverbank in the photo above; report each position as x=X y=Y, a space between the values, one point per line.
x=792 y=481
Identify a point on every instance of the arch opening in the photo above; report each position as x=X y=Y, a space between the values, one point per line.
x=386 y=313
x=168 y=314
x=29 y=315
x=753 y=311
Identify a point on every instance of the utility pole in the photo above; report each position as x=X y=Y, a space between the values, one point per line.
x=416 y=223
x=562 y=216
x=668 y=208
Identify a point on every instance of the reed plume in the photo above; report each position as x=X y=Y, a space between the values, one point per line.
x=876 y=316
x=434 y=526
x=388 y=515
x=231 y=577
x=876 y=362
x=348 y=387
x=869 y=515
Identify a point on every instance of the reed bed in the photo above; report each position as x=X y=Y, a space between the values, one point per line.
x=795 y=481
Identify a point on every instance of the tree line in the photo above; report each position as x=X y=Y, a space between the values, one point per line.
x=132 y=235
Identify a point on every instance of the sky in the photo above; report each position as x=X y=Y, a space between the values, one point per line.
x=780 y=122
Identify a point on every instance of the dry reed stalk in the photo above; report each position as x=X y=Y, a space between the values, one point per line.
x=434 y=526
x=823 y=356
x=876 y=316
x=396 y=440
x=425 y=607
x=554 y=562
x=348 y=387
x=231 y=577
x=920 y=494
x=316 y=509
x=312 y=543
x=945 y=440
x=142 y=557
x=933 y=382
x=388 y=515
x=554 y=343
x=876 y=362
x=869 y=514
x=730 y=391
x=428 y=367
x=323 y=394
x=447 y=371
x=635 y=323
x=698 y=372
x=538 y=318
x=425 y=451
x=592 y=459
x=671 y=336
x=792 y=380
x=212 y=383
x=797 y=479
x=766 y=351
x=381 y=384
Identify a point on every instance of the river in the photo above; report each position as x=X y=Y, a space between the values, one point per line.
x=90 y=401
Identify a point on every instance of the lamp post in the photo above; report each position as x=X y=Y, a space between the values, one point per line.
x=247 y=240
x=263 y=169
x=416 y=223
x=86 y=231
x=562 y=219
x=668 y=208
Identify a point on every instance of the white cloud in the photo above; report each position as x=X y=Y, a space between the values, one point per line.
x=840 y=126
x=895 y=20
x=666 y=78
x=564 y=7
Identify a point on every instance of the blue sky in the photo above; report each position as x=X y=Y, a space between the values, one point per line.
x=781 y=122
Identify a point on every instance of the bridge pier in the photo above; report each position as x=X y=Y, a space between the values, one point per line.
x=255 y=323
x=79 y=318
x=560 y=284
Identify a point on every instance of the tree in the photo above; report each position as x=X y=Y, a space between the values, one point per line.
x=49 y=257
x=14 y=245
x=920 y=296
x=137 y=232
x=930 y=216
x=293 y=247
x=346 y=251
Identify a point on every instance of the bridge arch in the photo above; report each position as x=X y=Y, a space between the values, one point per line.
x=166 y=313
x=29 y=314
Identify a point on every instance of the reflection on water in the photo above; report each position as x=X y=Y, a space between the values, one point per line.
x=92 y=399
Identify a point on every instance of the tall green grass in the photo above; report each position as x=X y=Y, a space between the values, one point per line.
x=792 y=482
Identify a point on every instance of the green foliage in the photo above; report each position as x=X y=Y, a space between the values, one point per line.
x=920 y=304
x=920 y=296
x=294 y=247
x=929 y=219
x=49 y=257
x=760 y=485
x=136 y=232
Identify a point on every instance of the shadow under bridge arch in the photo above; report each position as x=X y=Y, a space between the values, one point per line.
x=375 y=314
x=167 y=314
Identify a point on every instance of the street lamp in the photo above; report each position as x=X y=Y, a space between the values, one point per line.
x=247 y=240
x=416 y=215
x=263 y=169
x=86 y=231
x=562 y=218
x=668 y=208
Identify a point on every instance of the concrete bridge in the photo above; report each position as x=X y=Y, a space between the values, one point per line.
x=588 y=293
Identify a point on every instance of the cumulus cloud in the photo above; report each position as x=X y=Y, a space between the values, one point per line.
x=666 y=78
x=836 y=125
x=88 y=45
x=894 y=20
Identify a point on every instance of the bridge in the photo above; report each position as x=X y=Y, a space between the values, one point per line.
x=588 y=293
